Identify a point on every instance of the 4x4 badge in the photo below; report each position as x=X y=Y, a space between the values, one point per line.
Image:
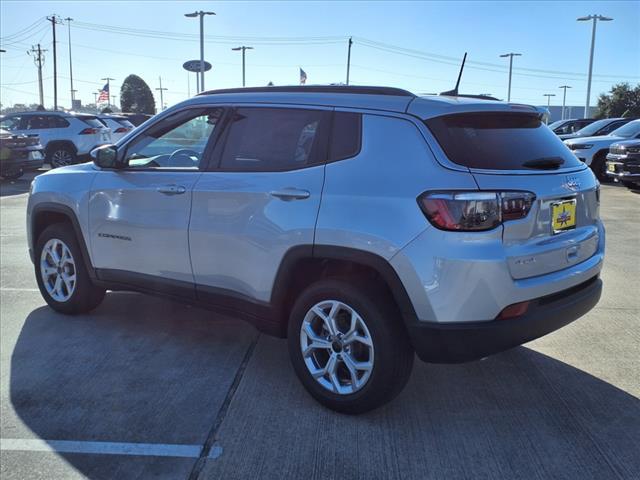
x=572 y=183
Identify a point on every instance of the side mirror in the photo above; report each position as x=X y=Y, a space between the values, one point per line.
x=106 y=156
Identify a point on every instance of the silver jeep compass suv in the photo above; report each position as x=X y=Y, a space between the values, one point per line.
x=362 y=223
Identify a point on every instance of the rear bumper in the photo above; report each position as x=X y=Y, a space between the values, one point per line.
x=11 y=165
x=462 y=342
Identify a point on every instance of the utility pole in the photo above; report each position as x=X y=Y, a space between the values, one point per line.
x=113 y=100
x=349 y=58
x=69 y=20
x=38 y=59
x=54 y=20
x=564 y=98
x=188 y=86
x=161 y=94
x=200 y=14
x=243 y=48
x=95 y=99
x=595 y=19
x=510 y=55
x=107 y=79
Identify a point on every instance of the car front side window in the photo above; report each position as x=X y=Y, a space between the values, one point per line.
x=177 y=142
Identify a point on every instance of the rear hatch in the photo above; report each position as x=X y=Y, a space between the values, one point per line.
x=95 y=127
x=509 y=151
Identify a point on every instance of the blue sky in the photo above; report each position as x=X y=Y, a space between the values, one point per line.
x=313 y=35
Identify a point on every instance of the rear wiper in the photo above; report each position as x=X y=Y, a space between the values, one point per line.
x=544 y=163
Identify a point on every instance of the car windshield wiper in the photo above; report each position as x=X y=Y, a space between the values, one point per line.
x=544 y=163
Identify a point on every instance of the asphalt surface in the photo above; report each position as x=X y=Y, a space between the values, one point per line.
x=146 y=388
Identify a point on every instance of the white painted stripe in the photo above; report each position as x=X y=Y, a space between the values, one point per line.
x=101 y=448
x=10 y=289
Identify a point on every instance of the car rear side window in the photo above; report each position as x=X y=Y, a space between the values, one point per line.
x=57 y=122
x=498 y=141
x=274 y=139
x=346 y=136
x=92 y=121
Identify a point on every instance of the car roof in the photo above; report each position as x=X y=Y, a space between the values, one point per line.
x=360 y=97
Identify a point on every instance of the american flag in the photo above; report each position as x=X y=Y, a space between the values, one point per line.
x=104 y=94
x=303 y=77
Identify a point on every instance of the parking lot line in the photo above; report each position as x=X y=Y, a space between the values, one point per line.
x=101 y=448
x=10 y=289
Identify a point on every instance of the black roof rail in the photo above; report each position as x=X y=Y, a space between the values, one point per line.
x=355 y=89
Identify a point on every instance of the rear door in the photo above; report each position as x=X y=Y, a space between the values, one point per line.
x=514 y=151
x=259 y=200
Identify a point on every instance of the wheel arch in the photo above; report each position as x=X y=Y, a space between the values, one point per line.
x=48 y=213
x=302 y=265
x=51 y=144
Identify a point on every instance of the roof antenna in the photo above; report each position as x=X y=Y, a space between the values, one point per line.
x=454 y=92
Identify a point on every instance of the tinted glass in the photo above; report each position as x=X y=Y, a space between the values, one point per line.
x=125 y=123
x=57 y=122
x=92 y=121
x=628 y=130
x=345 y=135
x=498 y=141
x=177 y=142
x=37 y=122
x=272 y=139
x=592 y=128
x=613 y=126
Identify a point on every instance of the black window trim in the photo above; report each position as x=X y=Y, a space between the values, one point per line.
x=325 y=131
x=208 y=152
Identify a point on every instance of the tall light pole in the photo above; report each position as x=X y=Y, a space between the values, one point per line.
x=200 y=14
x=510 y=55
x=564 y=97
x=549 y=95
x=349 y=58
x=69 y=20
x=595 y=19
x=242 y=48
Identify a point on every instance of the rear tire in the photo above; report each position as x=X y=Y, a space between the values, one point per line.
x=12 y=175
x=599 y=167
x=381 y=369
x=61 y=156
x=61 y=273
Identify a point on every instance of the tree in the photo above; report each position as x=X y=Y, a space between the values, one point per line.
x=106 y=110
x=622 y=101
x=136 y=96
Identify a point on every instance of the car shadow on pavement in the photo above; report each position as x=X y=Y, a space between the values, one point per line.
x=140 y=369
x=17 y=186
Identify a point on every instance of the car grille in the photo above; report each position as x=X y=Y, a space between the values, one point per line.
x=617 y=150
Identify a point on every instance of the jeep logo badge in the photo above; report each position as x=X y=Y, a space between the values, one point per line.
x=572 y=183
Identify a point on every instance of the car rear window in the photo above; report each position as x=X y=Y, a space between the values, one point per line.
x=345 y=136
x=498 y=141
x=92 y=121
x=125 y=123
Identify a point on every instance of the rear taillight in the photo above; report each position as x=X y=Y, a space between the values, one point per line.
x=474 y=211
x=121 y=130
x=89 y=131
x=513 y=311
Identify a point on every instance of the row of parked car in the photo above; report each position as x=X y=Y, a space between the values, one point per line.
x=611 y=146
x=29 y=139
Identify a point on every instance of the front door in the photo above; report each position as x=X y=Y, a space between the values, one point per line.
x=139 y=215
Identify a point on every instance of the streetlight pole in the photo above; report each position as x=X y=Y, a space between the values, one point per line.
x=200 y=14
x=595 y=19
x=349 y=58
x=242 y=48
x=564 y=98
x=510 y=55
x=549 y=95
x=69 y=20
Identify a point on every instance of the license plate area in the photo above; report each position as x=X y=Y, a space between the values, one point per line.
x=563 y=215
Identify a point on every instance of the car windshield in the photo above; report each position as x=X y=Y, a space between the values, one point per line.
x=629 y=130
x=593 y=127
x=556 y=124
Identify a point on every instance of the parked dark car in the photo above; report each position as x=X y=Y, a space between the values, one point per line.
x=597 y=128
x=623 y=163
x=570 y=125
x=19 y=154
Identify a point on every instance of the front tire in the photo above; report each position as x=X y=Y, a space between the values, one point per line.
x=61 y=273
x=599 y=167
x=348 y=346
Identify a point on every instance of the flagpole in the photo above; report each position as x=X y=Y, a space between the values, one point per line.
x=108 y=79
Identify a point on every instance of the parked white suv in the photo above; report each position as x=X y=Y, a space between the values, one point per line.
x=66 y=137
x=362 y=223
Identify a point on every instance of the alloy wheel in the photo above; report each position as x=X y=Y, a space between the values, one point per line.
x=337 y=347
x=58 y=270
x=61 y=158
